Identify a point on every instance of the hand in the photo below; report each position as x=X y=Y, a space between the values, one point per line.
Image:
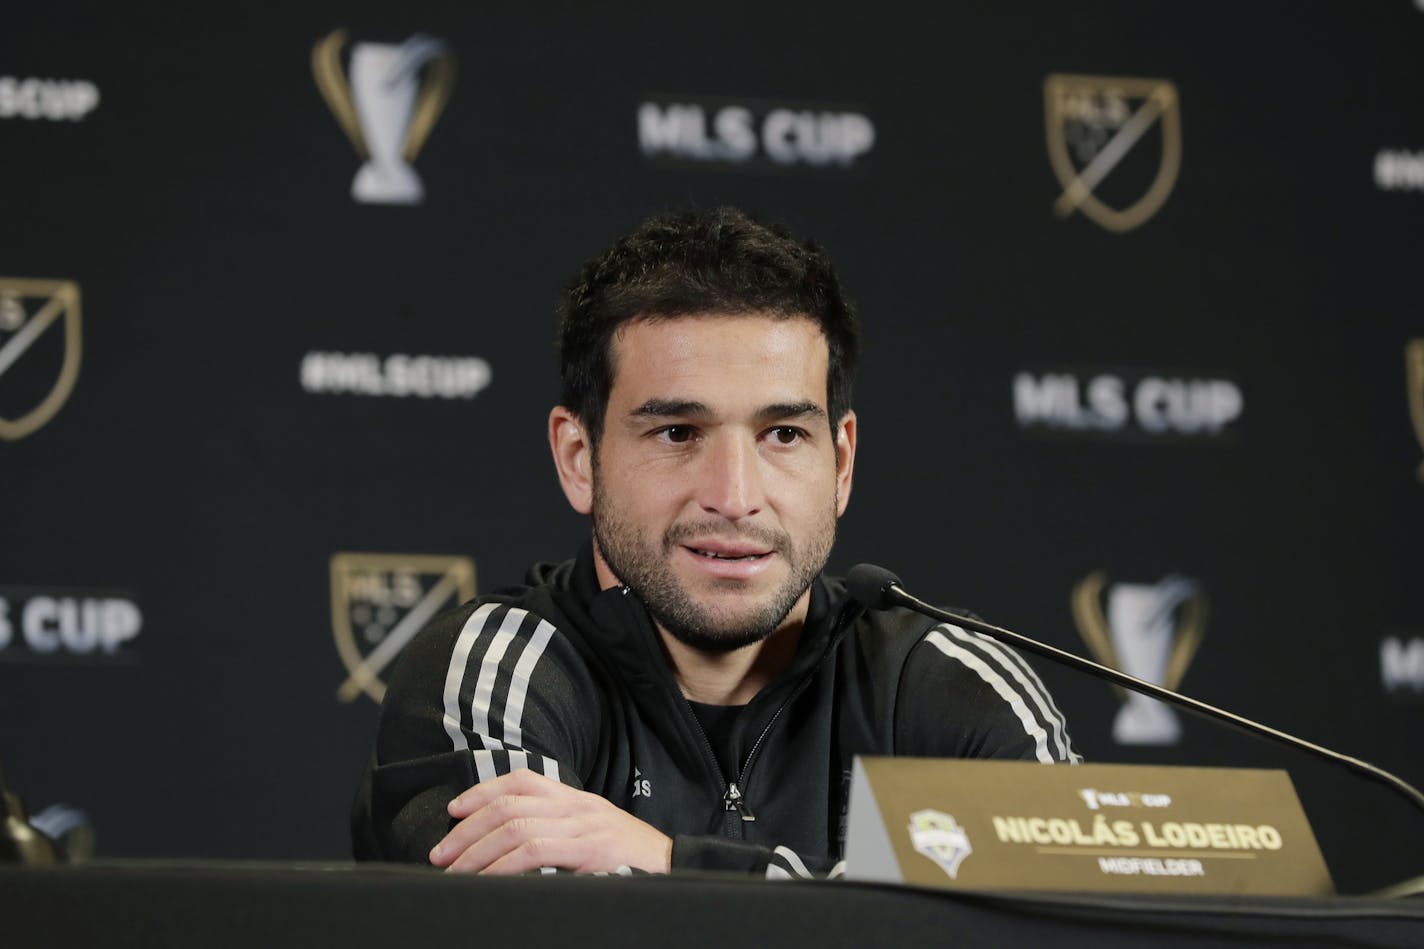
x=523 y=821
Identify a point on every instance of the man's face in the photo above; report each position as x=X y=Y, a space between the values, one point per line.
x=716 y=483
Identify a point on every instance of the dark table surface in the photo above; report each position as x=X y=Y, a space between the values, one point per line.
x=119 y=903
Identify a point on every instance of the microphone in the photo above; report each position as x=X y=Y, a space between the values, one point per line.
x=870 y=586
x=878 y=589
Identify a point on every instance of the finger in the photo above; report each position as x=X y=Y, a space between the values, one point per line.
x=501 y=810
x=568 y=853
x=521 y=782
x=511 y=836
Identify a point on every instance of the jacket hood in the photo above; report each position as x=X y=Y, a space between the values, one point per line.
x=618 y=622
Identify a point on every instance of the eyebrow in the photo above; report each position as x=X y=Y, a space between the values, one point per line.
x=689 y=408
x=665 y=408
x=792 y=410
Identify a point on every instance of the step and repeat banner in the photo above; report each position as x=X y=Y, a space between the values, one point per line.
x=1140 y=284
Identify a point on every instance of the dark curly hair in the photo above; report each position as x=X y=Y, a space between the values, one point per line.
x=694 y=262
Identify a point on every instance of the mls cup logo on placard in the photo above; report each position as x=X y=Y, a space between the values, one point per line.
x=38 y=365
x=393 y=99
x=1150 y=631
x=1104 y=134
x=938 y=836
x=379 y=601
x=1414 y=379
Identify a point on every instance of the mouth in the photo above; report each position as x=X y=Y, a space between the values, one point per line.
x=727 y=560
x=713 y=554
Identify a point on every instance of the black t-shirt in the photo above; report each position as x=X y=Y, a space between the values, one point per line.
x=718 y=721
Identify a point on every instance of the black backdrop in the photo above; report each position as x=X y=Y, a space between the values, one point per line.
x=191 y=483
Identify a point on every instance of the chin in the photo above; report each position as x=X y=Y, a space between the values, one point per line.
x=717 y=642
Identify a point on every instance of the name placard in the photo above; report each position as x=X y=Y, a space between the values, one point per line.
x=1094 y=827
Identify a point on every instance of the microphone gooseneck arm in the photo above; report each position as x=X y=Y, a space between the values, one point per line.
x=877 y=588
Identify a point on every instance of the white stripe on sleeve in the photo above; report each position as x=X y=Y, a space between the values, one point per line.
x=1001 y=687
x=519 y=684
x=793 y=861
x=489 y=668
x=455 y=674
x=1062 y=720
x=1033 y=689
x=484 y=765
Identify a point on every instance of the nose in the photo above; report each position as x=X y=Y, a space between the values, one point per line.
x=731 y=482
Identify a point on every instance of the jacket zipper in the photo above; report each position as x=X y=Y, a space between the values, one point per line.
x=733 y=799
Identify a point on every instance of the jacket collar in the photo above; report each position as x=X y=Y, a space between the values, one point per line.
x=623 y=632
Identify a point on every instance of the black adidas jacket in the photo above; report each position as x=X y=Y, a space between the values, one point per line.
x=567 y=679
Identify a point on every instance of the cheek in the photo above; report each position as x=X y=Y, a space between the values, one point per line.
x=806 y=490
x=642 y=491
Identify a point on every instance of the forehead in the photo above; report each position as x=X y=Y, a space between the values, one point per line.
x=754 y=356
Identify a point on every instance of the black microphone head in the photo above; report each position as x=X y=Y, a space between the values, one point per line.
x=870 y=586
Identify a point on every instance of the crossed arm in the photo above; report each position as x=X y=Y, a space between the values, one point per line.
x=523 y=821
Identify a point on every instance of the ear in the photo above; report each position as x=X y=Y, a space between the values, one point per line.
x=845 y=463
x=573 y=458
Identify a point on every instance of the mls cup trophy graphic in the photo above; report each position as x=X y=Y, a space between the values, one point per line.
x=1149 y=631
x=1414 y=379
x=387 y=109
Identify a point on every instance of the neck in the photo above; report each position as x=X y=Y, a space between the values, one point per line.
x=731 y=678
x=724 y=678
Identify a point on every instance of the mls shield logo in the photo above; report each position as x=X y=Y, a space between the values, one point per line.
x=379 y=601
x=39 y=351
x=1150 y=631
x=936 y=835
x=387 y=107
x=1115 y=145
x=1414 y=380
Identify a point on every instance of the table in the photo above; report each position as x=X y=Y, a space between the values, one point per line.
x=131 y=903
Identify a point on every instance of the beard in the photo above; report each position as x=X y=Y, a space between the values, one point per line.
x=645 y=568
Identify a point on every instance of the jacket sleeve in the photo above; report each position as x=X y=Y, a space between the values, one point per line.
x=484 y=690
x=964 y=695
x=710 y=852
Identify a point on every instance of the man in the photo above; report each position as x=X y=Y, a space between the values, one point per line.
x=689 y=691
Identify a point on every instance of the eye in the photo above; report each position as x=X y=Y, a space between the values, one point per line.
x=676 y=434
x=787 y=435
